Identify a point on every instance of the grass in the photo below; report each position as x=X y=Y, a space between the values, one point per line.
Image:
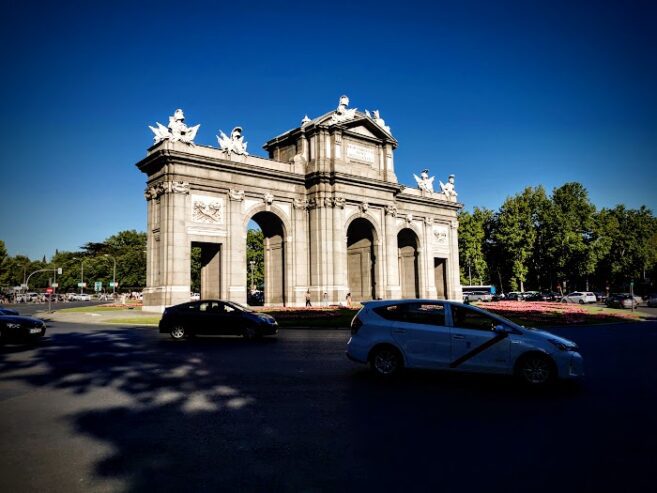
x=98 y=308
x=136 y=321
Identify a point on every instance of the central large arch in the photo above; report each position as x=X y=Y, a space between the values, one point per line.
x=361 y=260
x=273 y=231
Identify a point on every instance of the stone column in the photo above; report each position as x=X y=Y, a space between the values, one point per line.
x=339 y=246
x=428 y=271
x=392 y=282
x=454 y=279
x=300 y=282
x=236 y=241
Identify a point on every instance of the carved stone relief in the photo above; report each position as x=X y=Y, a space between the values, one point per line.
x=207 y=210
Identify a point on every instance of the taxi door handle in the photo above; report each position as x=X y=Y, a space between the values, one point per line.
x=458 y=337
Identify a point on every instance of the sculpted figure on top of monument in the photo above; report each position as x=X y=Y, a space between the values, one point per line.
x=342 y=114
x=448 y=188
x=235 y=143
x=176 y=131
x=376 y=116
x=424 y=182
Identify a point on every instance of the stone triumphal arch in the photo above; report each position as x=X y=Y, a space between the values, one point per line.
x=334 y=217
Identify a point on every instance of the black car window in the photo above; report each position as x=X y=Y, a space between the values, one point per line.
x=465 y=318
x=204 y=306
x=425 y=313
x=191 y=307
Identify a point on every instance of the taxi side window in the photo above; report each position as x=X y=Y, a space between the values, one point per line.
x=425 y=313
x=390 y=312
x=464 y=318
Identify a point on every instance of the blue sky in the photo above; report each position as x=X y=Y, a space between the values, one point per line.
x=502 y=94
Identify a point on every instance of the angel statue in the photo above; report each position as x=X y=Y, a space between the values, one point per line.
x=176 y=131
x=448 y=188
x=235 y=143
x=424 y=182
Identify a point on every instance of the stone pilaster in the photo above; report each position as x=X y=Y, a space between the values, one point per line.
x=392 y=284
x=236 y=264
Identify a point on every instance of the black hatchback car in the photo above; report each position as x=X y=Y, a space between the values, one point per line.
x=216 y=317
x=15 y=328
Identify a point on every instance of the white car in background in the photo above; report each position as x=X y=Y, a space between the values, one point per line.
x=580 y=297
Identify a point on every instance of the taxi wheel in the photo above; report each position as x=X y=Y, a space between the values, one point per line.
x=535 y=370
x=386 y=361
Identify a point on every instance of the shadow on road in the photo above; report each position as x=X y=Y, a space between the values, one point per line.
x=222 y=414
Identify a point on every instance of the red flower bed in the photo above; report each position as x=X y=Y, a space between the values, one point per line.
x=550 y=313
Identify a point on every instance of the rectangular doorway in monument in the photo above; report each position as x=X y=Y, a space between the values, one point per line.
x=359 y=266
x=440 y=276
x=206 y=269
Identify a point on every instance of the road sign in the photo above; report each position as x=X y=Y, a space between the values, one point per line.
x=49 y=290
x=59 y=271
x=98 y=286
x=54 y=285
x=113 y=284
x=82 y=284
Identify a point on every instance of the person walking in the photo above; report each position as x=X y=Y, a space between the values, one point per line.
x=348 y=299
x=308 y=298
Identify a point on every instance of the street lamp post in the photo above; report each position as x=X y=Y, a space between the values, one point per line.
x=81 y=273
x=113 y=274
x=252 y=264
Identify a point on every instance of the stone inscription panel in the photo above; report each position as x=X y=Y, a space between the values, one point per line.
x=360 y=153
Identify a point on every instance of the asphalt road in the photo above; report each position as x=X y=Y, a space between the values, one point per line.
x=126 y=409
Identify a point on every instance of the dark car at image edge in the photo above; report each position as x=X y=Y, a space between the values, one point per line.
x=16 y=328
x=215 y=317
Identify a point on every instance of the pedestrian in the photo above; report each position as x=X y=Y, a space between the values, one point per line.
x=325 y=298
x=308 y=298
x=348 y=300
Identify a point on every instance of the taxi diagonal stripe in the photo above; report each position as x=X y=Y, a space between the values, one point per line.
x=478 y=349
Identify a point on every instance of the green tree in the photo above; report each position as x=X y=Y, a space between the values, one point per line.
x=515 y=235
x=572 y=245
x=255 y=252
x=472 y=239
x=631 y=236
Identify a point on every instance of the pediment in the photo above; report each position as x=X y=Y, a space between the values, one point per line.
x=366 y=126
x=362 y=130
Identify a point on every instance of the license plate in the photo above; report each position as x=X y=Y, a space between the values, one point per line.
x=35 y=331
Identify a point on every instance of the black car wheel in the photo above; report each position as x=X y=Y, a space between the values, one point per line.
x=249 y=333
x=178 y=332
x=386 y=361
x=535 y=370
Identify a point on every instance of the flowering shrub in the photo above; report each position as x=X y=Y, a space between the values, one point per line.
x=551 y=313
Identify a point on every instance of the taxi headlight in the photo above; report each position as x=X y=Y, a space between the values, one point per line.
x=562 y=346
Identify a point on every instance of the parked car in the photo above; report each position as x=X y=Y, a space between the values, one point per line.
x=533 y=296
x=16 y=328
x=549 y=296
x=216 y=317
x=515 y=295
x=652 y=300
x=600 y=296
x=621 y=300
x=80 y=297
x=477 y=296
x=395 y=334
x=580 y=297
